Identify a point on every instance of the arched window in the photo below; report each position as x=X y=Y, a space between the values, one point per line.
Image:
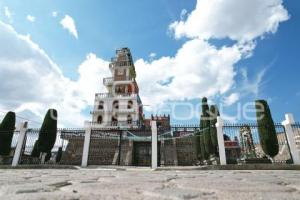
x=116 y=104
x=129 y=104
x=99 y=119
x=100 y=106
x=129 y=119
x=114 y=120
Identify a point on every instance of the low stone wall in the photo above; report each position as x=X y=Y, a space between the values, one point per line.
x=73 y=152
x=102 y=151
x=186 y=151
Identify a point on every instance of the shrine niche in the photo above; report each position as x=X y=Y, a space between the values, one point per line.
x=247 y=143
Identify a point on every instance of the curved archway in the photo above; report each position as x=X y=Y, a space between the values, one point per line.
x=114 y=120
x=129 y=119
x=100 y=119
x=129 y=104
x=101 y=105
x=116 y=104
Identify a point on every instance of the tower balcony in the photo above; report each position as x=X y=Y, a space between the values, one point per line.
x=116 y=95
x=114 y=110
x=113 y=124
x=108 y=81
x=116 y=63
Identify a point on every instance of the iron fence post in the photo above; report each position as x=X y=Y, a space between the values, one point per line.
x=221 y=144
x=287 y=123
x=86 y=147
x=21 y=139
x=120 y=148
x=154 y=145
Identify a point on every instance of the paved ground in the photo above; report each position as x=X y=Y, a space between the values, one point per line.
x=145 y=184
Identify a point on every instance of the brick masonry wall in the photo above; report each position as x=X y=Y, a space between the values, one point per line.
x=186 y=151
x=102 y=151
x=73 y=153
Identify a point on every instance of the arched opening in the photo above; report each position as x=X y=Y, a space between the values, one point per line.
x=114 y=120
x=100 y=106
x=116 y=104
x=129 y=119
x=129 y=104
x=99 y=119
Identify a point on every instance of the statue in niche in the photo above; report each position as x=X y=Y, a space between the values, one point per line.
x=247 y=143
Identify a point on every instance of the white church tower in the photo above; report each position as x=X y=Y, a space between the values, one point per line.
x=121 y=106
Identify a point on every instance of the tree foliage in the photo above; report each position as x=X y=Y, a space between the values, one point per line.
x=205 y=128
x=7 y=128
x=214 y=113
x=266 y=129
x=47 y=134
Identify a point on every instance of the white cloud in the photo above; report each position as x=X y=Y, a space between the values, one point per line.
x=231 y=99
x=30 y=18
x=252 y=86
x=68 y=23
x=32 y=82
x=183 y=14
x=7 y=13
x=240 y=20
x=54 y=14
x=152 y=55
x=198 y=69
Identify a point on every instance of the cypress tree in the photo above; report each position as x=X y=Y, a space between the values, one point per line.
x=213 y=130
x=197 y=143
x=205 y=126
x=204 y=155
x=47 y=134
x=266 y=129
x=59 y=155
x=7 y=128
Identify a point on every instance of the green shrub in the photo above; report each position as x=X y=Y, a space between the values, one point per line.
x=213 y=130
x=197 y=143
x=47 y=134
x=205 y=128
x=7 y=128
x=266 y=129
x=204 y=155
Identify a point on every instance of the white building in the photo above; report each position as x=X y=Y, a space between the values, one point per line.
x=121 y=106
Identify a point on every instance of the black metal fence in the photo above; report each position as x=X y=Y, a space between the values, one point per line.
x=120 y=147
x=177 y=145
x=67 y=149
x=296 y=131
x=243 y=144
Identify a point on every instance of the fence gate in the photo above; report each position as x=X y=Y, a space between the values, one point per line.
x=243 y=144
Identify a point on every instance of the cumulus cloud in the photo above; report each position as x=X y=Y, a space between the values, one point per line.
x=68 y=23
x=198 y=69
x=239 y=20
x=30 y=18
x=231 y=99
x=7 y=13
x=32 y=82
x=54 y=14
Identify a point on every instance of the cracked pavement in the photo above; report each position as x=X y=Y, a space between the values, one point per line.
x=101 y=184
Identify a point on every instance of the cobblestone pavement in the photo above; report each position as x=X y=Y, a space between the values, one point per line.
x=145 y=184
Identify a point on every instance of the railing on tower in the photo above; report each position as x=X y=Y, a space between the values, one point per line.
x=110 y=95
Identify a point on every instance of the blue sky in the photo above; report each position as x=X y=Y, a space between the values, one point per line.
x=144 y=27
